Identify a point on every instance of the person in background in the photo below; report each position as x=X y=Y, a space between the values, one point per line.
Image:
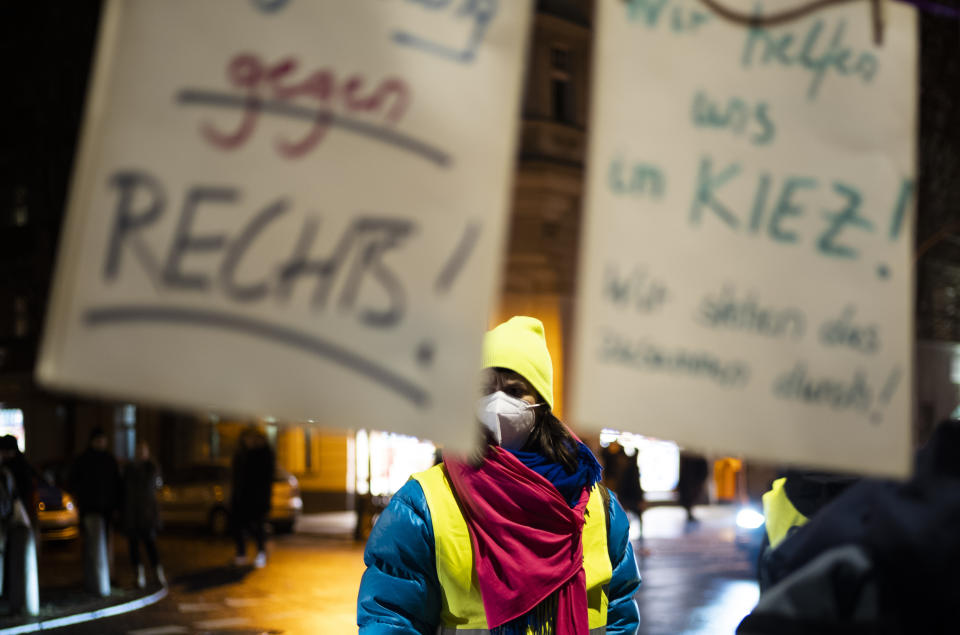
x=15 y=527
x=867 y=554
x=621 y=473
x=521 y=538
x=693 y=473
x=792 y=500
x=95 y=479
x=253 y=471
x=140 y=518
x=24 y=475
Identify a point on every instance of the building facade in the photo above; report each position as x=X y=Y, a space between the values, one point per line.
x=539 y=277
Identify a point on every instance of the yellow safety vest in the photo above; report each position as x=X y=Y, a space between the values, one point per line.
x=779 y=513
x=461 y=610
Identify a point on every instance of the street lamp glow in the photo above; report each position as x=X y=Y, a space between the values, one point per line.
x=748 y=518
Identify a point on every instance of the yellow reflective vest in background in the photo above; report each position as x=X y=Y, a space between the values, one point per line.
x=461 y=605
x=779 y=513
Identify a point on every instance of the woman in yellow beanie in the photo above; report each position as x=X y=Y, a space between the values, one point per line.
x=524 y=540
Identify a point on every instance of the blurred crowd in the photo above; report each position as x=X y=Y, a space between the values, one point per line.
x=113 y=498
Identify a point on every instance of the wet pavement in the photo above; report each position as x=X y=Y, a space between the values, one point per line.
x=309 y=586
x=695 y=581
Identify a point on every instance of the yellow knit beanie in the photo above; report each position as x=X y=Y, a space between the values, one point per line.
x=519 y=345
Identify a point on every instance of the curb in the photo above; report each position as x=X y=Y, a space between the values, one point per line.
x=87 y=616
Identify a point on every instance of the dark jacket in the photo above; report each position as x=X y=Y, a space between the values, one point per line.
x=252 y=482
x=693 y=473
x=25 y=482
x=140 y=482
x=622 y=475
x=95 y=481
x=880 y=558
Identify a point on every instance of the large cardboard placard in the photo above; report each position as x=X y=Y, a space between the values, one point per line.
x=747 y=283
x=291 y=208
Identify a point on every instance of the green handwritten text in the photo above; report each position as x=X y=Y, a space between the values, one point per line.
x=736 y=115
x=777 y=204
x=651 y=357
x=681 y=19
x=811 y=52
x=637 y=178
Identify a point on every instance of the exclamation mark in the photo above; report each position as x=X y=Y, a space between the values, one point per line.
x=886 y=394
x=896 y=219
x=457 y=259
x=447 y=276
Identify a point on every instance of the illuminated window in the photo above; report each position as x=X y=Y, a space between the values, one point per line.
x=955 y=369
x=363 y=462
x=659 y=461
x=11 y=422
x=561 y=85
x=386 y=460
x=125 y=418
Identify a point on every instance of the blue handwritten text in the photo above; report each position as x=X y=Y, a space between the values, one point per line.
x=480 y=12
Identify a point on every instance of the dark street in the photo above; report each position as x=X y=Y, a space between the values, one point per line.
x=695 y=581
x=496 y=275
x=309 y=586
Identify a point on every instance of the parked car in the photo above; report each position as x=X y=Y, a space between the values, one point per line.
x=56 y=513
x=200 y=495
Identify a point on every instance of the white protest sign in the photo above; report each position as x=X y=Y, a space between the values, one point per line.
x=747 y=279
x=291 y=208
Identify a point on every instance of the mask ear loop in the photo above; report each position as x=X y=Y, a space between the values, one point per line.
x=538 y=414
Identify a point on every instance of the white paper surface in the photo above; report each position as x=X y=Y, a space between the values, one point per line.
x=291 y=209
x=747 y=284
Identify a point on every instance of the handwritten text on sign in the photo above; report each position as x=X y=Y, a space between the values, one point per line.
x=747 y=283
x=284 y=214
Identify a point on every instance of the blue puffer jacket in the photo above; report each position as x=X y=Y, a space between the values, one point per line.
x=400 y=593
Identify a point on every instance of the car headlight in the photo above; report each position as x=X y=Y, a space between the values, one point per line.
x=68 y=506
x=296 y=502
x=749 y=518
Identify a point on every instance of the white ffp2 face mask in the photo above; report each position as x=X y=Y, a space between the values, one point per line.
x=508 y=418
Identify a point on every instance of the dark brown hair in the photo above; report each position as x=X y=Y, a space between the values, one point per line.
x=551 y=438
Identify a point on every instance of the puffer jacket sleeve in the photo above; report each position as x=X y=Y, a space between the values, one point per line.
x=623 y=616
x=399 y=591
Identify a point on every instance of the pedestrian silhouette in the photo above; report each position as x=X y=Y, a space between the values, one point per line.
x=621 y=474
x=140 y=517
x=95 y=481
x=25 y=476
x=693 y=473
x=253 y=472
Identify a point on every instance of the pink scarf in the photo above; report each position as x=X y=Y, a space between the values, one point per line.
x=527 y=543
